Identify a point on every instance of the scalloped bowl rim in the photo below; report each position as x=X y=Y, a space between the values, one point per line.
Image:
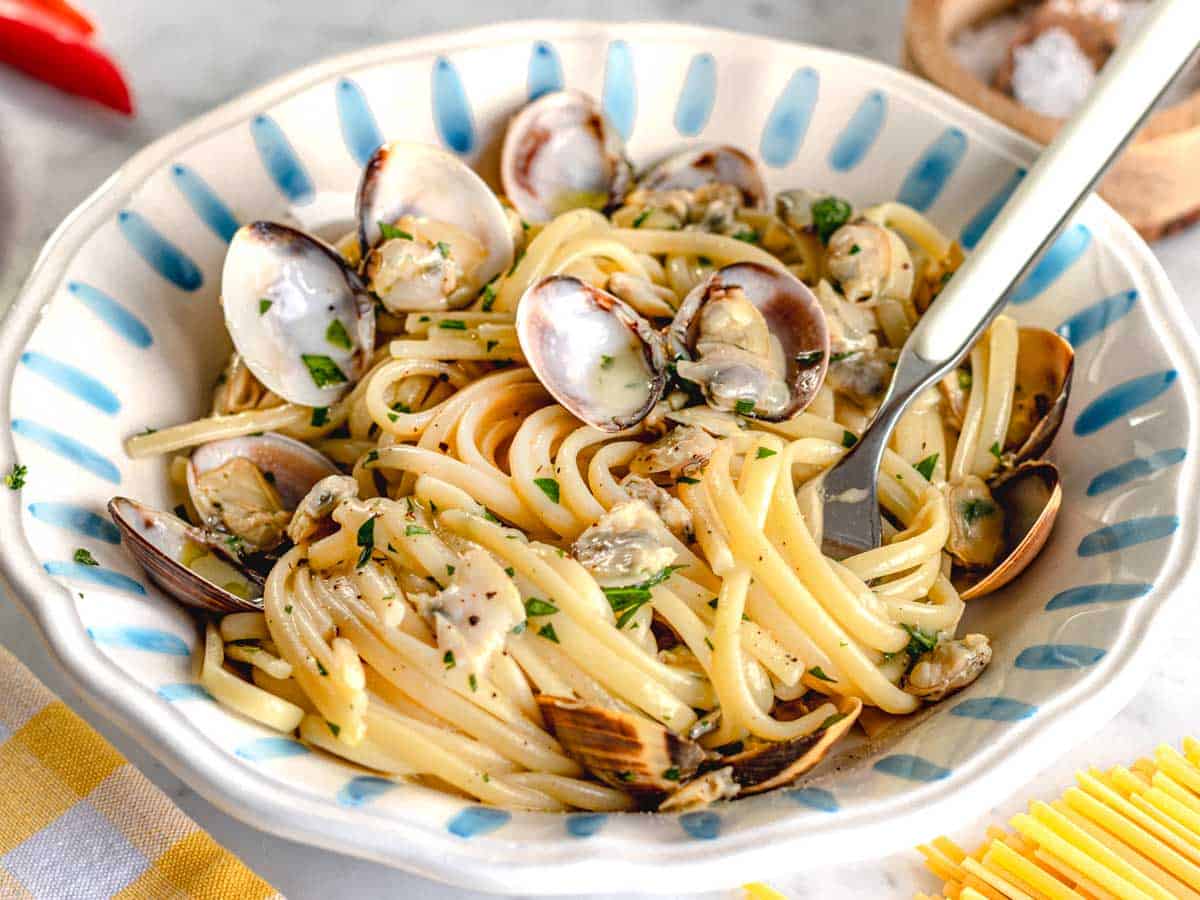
x=699 y=865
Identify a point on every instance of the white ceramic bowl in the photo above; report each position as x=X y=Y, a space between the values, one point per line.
x=118 y=329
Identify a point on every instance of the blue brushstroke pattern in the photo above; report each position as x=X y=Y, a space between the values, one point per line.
x=280 y=160
x=476 y=820
x=994 y=709
x=112 y=314
x=270 y=748
x=205 y=203
x=790 y=117
x=620 y=88
x=150 y=640
x=980 y=222
x=933 y=170
x=704 y=826
x=95 y=574
x=360 y=131
x=68 y=448
x=582 y=825
x=1086 y=594
x=817 y=798
x=1063 y=253
x=77 y=519
x=697 y=96
x=860 y=133
x=72 y=380
x=911 y=768
x=1087 y=323
x=183 y=690
x=1122 y=400
x=451 y=109
x=1058 y=656
x=1134 y=469
x=164 y=257
x=1127 y=534
x=363 y=789
x=545 y=71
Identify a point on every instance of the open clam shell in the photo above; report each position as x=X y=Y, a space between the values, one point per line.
x=593 y=352
x=1030 y=496
x=720 y=164
x=428 y=184
x=164 y=545
x=561 y=153
x=1045 y=367
x=298 y=315
x=794 y=319
x=766 y=766
x=623 y=749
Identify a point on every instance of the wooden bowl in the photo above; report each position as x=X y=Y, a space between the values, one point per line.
x=1155 y=184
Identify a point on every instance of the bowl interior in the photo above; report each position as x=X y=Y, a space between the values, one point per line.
x=130 y=337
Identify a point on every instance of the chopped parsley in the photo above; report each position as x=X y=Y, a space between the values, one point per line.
x=336 y=729
x=366 y=540
x=819 y=673
x=474 y=683
x=263 y=305
x=443 y=248
x=320 y=415
x=537 y=607
x=919 y=641
x=15 y=480
x=489 y=296
x=642 y=217
x=671 y=774
x=413 y=530
x=687 y=479
x=995 y=450
x=372 y=456
x=392 y=233
x=848 y=439
x=510 y=571
x=626 y=600
x=828 y=215
x=490 y=516
x=549 y=487
x=749 y=235
x=975 y=509
x=964 y=379
x=838 y=357
x=810 y=358
x=449 y=569
x=84 y=558
x=624 y=776
x=831 y=721
x=321 y=668
x=448 y=659
x=606 y=361
x=764 y=452
x=547 y=631
x=855 y=250
x=337 y=335
x=743 y=407
x=324 y=371
x=925 y=466
x=491 y=345
x=453 y=324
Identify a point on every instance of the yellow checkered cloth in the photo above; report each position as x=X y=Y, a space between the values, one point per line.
x=77 y=821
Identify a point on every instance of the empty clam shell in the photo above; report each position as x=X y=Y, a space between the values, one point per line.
x=428 y=184
x=595 y=354
x=240 y=500
x=794 y=320
x=169 y=548
x=300 y=318
x=561 y=153
x=1030 y=496
x=624 y=749
x=1045 y=366
x=720 y=164
x=766 y=766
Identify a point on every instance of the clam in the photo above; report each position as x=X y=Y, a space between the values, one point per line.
x=765 y=766
x=624 y=546
x=754 y=339
x=623 y=749
x=198 y=568
x=447 y=235
x=869 y=262
x=702 y=791
x=697 y=167
x=561 y=153
x=948 y=667
x=1030 y=497
x=248 y=486
x=300 y=318
x=598 y=357
x=1045 y=365
x=680 y=453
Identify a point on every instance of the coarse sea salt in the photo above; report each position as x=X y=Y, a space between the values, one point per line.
x=1051 y=75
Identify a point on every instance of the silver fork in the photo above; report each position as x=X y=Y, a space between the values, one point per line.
x=1130 y=84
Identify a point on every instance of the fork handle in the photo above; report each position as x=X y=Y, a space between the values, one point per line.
x=1124 y=95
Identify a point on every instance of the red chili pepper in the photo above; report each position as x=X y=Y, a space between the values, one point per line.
x=48 y=40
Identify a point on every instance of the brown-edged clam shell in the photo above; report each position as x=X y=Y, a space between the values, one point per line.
x=718 y=164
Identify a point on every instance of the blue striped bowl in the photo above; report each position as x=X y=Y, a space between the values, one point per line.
x=118 y=330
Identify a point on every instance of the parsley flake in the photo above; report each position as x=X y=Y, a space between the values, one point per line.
x=337 y=335
x=414 y=530
x=925 y=466
x=828 y=215
x=547 y=631
x=15 y=480
x=819 y=673
x=549 y=487
x=366 y=540
x=263 y=305
x=324 y=371
x=320 y=415
x=743 y=407
x=453 y=324
x=537 y=607
x=764 y=452
x=392 y=233
x=84 y=558
x=448 y=659
x=848 y=439
x=642 y=217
